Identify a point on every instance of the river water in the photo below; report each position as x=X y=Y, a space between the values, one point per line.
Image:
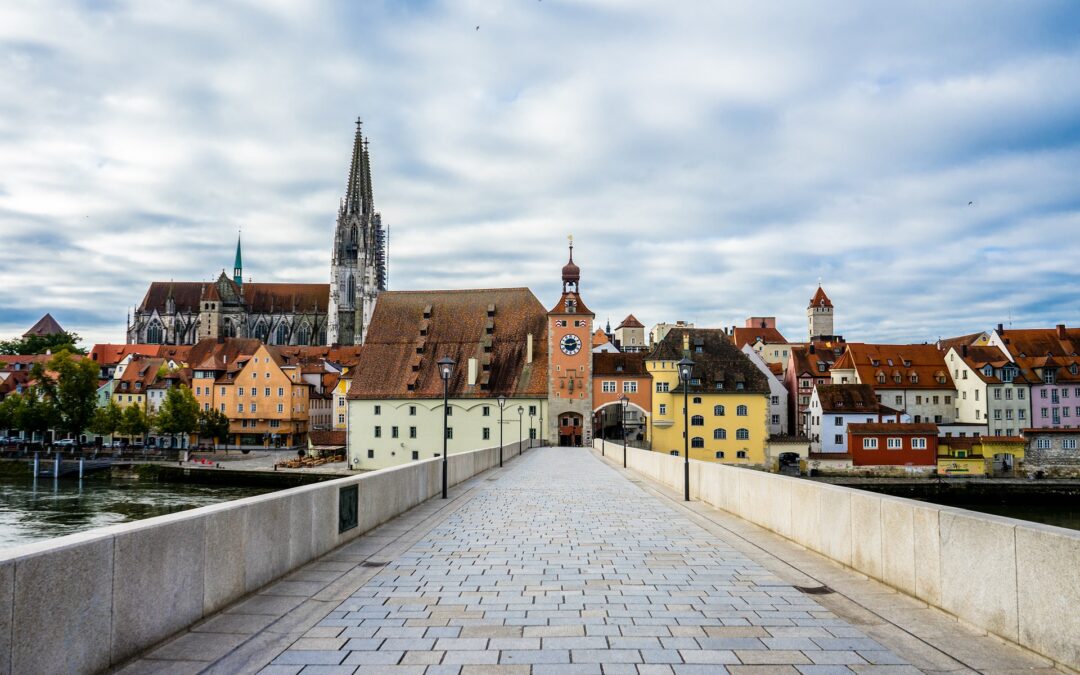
x=32 y=511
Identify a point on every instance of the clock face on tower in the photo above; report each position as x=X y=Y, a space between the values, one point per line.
x=570 y=344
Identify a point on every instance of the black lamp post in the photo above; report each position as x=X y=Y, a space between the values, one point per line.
x=502 y=404
x=520 y=411
x=622 y=425
x=541 y=432
x=686 y=369
x=446 y=369
x=532 y=417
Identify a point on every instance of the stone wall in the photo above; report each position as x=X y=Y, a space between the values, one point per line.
x=1055 y=461
x=88 y=601
x=1016 y=579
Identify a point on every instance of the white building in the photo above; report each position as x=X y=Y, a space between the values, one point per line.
x=778 y=394
x=834 y=406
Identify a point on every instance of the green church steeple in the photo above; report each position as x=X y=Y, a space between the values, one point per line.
x=238 y=266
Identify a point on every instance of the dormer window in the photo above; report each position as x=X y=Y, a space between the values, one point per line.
x=821 y=367
x=1048 y=375
x=875 y=363
x=881 y=378
x=907 y=364
x=988 y=371
x=1008 y=374
x=914 y=378
x=889 y=361
x=896 y=378
x=1074 y=369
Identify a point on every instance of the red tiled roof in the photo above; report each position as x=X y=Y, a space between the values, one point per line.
x=1046 y=347
x=859 y=428
x=631 y=322
x=820 y=299
x=748 y=336
x=924 y=362
x=627 y=365
x=599 y=338
x=850 y=398
x=411 y=330
x=258 y=297
x=327 y=437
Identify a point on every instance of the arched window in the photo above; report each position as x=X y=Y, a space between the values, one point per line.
x=282 y=334
x=697 y=442
x=718 y=410
x=303 y=336
x=155 y=333
x=697 y=399
x=719 y=454
x=262 y=331
x=350 y=287
x=228 y=329
x=352 y=235
x=741 y=411
x=697 y=421
x=719 y=434
x=322 y=335
x=742 y=435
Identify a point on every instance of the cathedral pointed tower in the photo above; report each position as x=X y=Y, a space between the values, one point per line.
x=358 y=261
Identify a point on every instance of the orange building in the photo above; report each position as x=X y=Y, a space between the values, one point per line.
x=614 y=376
x=569 y=347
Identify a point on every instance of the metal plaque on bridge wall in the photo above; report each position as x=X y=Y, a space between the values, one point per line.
x=348 y=508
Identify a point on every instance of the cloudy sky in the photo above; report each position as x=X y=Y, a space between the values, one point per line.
x=712 y=159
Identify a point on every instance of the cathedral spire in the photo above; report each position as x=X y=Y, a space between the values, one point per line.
x=355 y=191
x=238 y=265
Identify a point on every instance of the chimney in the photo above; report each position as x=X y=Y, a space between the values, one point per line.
x=473 y=370
x=529 y=348
x=811 y=347
x=963 y=351
x=1061 y=331
x=686 y=341
x=1000 y=328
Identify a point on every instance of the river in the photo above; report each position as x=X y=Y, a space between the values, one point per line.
x=31 y=511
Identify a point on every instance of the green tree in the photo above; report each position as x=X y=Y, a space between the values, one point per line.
x=214 y=424
x=70 y=385
x=30 y=412
x=106 y=420
x=39 y=344
x=7 y=412
x=179 y=412
x=134 y=422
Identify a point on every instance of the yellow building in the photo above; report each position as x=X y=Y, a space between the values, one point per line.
x=728 y=399
x=133 y=379
x=980 y=456
x=340 y=412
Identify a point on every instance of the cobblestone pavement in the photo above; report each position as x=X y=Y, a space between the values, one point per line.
x=562 y=565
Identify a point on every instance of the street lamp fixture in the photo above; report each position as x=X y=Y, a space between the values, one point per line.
x=622 y=425
x=502 y=404
x=520 y=411
x=446 y=370
x=532 y=418
x=686 y=369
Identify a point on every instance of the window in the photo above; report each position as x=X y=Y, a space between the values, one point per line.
x=486 y=433
x=775 y=419
x=697 y=442
x=663 y=409
x=1009 y=414
x=719 y=434
x=449 y=432
x=743 y=434
x=608 y=387
x=393 y=432
x=222 y=407
x=532 y=434
x=838 y=439
x=1022 y=414
x=838 y=421
x=997 y=393
x=719 y=454
x=239 y=407
x=370 y=454
x=899 y=400
x=893 y=443
x=673 y=452
x=1045 y=413
x=281 y=409
x=274 y=424
x=412 y=432
x=629 y=387
x=948 y=400
x=252 y=407
x=741 y=411
x=662 y=387
x=266 y=390
x=378 y=432
x=697 y=421
x=532 y=410
x=198 y=391
x=450 y=410
x=997 y=414
x=741 y=454
x=1043 y=444
x=416 y=454
x=718 y=410
x=340 y=418
x=696 y=399
x=378 y=410
x=240 y=391
x=254 y=390
x=1068 y=444
x=869 y=444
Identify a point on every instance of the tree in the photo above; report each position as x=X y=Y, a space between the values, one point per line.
x=30 y=412
x=133 y=422
x=71 y=387
x=106 y=420
x=7 y=412
x=179 y=412
x=39 y=344
x=215 y=424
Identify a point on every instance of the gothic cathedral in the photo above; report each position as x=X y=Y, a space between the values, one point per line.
x=338 y=313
